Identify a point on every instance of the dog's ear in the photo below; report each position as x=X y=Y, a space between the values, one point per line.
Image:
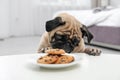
x=52 y=24
x=86 y=33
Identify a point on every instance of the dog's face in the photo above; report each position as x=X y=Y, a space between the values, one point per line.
x=65 y=32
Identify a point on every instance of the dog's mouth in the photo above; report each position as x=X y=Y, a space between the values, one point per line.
x=65 y=46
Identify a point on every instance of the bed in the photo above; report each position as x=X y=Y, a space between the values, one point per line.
x=106 y=36
x=104 y=25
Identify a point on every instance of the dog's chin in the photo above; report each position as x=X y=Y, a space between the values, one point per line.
x=67 y=49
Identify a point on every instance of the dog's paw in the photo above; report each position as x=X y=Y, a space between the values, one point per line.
x=43 y=50
x=93 y=51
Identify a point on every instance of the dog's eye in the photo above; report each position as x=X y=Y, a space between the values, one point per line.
x=58 y=37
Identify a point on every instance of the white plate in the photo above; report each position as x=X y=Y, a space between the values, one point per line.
x=54 y=66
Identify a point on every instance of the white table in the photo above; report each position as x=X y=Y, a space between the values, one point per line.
x=104 y=67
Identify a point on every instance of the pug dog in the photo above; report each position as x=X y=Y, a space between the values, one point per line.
x=67 y=33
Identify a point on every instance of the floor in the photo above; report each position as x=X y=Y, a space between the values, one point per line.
x=29 y=45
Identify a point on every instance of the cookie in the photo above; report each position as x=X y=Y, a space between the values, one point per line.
x=70 y=58
x=48 y=59
x=55 y=51
x=64 y=59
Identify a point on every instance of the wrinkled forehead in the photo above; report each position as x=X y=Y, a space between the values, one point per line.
x=69 y=18
x=72 y=25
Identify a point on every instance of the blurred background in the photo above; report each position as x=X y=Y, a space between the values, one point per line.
x=22 y=22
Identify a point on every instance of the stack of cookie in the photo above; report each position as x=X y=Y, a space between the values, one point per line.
x=55 y=56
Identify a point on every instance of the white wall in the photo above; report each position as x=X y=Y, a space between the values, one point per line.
x=28 y=17
x=21 y=18
x=115 y=3
x=4 y=18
